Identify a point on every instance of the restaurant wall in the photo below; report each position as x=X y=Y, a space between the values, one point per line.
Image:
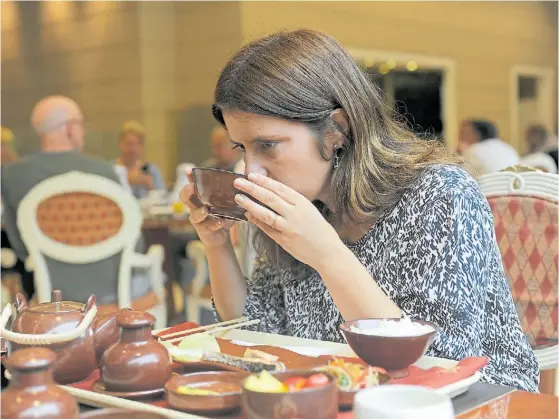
x=483 y=39
x=86 y=50
x=158 y=62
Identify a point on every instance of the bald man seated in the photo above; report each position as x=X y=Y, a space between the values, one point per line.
x=58 y=121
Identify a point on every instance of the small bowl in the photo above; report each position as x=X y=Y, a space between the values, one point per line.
x=402 y=402
x=347 y=398
x=393 y=353
x=215 y=189
x=315 y=403
x=118 y=414
x=224 y=402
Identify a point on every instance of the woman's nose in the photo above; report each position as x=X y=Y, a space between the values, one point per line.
x=254 y=167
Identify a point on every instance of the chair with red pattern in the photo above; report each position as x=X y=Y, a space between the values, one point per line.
x=525 y=208
x=79 y=218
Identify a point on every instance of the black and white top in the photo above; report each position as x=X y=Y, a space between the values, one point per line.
x=436 y=256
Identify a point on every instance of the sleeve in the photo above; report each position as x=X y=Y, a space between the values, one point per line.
x=158 y=182
x=264 y=301
x=9 y=221
x=442 y=265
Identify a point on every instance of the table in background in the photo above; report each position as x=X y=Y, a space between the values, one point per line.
x=158 y=231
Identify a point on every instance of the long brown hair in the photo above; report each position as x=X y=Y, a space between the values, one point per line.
x=304 y=76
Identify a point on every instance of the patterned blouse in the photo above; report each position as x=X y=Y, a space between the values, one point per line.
x=435 y=255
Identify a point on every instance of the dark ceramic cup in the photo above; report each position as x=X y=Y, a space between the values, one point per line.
x=393 y=353
x=311 y=403
x=215 y=189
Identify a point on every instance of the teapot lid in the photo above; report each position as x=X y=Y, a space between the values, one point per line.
x=131 y=319
x=28 y=359
x=56 y=305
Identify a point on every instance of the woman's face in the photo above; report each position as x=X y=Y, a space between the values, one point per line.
x=282 y=150
x=131 y=147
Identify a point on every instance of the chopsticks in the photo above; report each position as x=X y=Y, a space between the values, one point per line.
x=209 y=329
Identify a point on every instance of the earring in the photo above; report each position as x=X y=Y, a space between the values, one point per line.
x=336 y=157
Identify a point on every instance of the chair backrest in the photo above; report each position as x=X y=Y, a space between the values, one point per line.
x=181 y=180
x=77 y=218
x=525 y=209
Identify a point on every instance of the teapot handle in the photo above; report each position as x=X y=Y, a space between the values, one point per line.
x=45 y=338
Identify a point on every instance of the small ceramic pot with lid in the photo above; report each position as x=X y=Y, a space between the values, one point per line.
x=73 y=330
x=137 y=362
x=32 y=392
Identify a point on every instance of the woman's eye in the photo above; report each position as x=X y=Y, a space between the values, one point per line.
x=268 y=145
x=239 y=146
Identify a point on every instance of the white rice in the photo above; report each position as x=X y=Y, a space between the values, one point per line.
x=402 y=328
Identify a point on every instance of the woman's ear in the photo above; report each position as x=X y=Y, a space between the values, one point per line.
x=340 y=118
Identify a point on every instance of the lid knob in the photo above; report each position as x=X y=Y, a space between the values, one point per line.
x=131 y=319
x=29 y=359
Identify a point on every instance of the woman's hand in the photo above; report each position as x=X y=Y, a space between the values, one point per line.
x=212 y=231
x=296 y=225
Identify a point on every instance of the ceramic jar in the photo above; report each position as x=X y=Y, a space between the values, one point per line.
x=72 y=330
x=32 y=392
x=137 y=362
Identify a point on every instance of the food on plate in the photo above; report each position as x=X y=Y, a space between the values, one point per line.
x=255 y=353
x=209 y=388
x=353 y=376
x=194 y=391
x=192 y=347
x=267 y=383
x=246 y=364
x=395 y=328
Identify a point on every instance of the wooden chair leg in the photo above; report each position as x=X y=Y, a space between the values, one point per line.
x=548 y=381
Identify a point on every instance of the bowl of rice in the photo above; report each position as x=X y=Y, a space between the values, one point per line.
x=392 y=344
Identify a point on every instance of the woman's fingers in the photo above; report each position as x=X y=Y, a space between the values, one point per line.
x=258 y=212
x=286 y=193
x=263 y=195
x=188 y=197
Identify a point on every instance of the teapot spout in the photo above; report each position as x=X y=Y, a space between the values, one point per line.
x=106 y=332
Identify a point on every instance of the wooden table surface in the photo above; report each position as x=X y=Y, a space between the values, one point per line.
x=516 y=405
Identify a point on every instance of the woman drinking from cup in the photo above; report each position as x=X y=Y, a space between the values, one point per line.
x=367 y=221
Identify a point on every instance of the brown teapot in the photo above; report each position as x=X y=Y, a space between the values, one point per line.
x=70 y=329
x=32 y=392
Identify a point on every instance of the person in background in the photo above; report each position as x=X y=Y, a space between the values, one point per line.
x=142 y=176
x=482 y=149
x=58 y=121
x=224 y=155
x=542 y=149
x=7 y=152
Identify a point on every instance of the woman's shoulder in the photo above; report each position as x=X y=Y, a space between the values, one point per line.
x=446 y=182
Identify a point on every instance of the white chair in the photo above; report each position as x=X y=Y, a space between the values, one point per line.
x=198 y=295
x=79 y=218
x=525 y=208
x=181 y=181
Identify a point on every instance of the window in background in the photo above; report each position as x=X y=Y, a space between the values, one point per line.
x=414 y=93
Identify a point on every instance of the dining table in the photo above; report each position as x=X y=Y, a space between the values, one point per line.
x=480 y=401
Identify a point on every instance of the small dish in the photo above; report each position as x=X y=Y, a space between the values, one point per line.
x=99 y=387
x=228 y=384
x=347 y=398
x=402 y=402
x=393 y=353
x=119 y=414
x=317 y=403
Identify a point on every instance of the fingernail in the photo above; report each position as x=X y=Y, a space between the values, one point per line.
x=240 y=182
x=253 y=175
x=240 y=198
x=248 y=215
